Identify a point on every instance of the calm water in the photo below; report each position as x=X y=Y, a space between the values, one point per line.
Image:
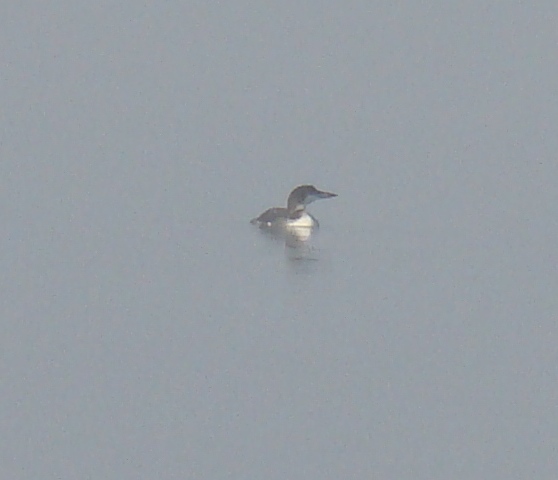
x=151 y=332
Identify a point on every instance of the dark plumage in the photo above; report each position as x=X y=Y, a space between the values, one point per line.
x=278 y=217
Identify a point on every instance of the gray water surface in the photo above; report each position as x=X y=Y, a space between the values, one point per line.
x=149 y=331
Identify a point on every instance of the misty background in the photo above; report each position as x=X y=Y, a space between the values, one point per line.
x=149 y=331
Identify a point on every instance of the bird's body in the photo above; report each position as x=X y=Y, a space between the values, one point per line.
x=294 y=217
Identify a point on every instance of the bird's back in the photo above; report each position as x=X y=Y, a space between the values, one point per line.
x=270 y=216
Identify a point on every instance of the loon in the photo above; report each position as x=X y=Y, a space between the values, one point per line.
x=294 y=217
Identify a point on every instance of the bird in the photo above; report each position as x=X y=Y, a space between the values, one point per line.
x=295 y=217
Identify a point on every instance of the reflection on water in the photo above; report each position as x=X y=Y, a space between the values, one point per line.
x=303 y=260
x=300 y=247
x=297 y=243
